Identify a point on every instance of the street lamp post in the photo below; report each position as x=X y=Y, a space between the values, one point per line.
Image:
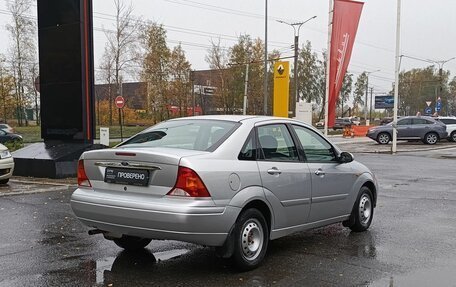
x=296 y=28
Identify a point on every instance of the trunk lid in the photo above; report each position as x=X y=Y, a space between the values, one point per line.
x=161 y=165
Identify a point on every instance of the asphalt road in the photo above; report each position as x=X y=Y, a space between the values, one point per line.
x=412 y=241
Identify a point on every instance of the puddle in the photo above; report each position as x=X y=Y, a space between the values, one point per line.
x=130 y=263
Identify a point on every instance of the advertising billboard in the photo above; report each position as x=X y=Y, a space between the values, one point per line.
x=384 y=102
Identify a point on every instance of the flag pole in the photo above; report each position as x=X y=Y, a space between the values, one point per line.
x=328 y=60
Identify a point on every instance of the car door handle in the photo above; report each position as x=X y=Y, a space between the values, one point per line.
x=320 y=172
x=274 y=171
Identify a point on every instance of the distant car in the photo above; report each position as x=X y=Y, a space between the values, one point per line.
x=320 y=124
x=355 y=120
x=233 y=182
x=7 y=128
x=341 y=123
x=9 y=137
x=426 y=129
x=386 y=120
x=450 y=123
x=6 y=164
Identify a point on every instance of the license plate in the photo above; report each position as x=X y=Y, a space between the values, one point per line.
x=138 y=177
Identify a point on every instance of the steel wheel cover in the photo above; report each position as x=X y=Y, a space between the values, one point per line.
x=252 y=238
x=431 y=138
x=365 y=209
x=453 y=136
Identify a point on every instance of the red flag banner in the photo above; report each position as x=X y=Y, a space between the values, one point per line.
x=346 y=16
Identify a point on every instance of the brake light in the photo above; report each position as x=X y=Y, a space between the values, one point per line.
x=189 y=184
x=83 y=180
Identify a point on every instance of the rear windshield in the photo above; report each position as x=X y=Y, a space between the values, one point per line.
x=202 y=135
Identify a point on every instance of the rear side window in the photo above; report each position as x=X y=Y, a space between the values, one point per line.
x=404 y=122
x=276 y=143
x=203 y=135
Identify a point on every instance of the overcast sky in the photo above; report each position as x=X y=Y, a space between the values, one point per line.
x=428 y=29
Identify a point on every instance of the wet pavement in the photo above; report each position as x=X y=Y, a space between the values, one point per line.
x=411 y=242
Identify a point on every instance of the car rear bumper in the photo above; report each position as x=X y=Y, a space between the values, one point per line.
x=180 y=219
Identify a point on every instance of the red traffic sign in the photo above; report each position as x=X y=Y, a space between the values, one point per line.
x=120 y=102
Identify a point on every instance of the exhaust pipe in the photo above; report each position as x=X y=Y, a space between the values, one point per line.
x=95 y=231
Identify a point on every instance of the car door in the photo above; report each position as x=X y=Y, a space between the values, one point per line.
x=420 y=127
x=331 y=180
x=283 y=173
x=404 y=128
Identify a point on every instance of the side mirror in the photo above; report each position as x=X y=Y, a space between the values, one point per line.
x=345 y=157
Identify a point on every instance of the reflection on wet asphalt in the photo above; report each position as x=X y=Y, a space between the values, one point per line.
x=411 y=243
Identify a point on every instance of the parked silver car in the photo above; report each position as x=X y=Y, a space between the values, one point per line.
x=233 y=182
x=422 y=128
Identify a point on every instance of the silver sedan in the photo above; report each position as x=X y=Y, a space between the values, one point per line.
x=232 y=182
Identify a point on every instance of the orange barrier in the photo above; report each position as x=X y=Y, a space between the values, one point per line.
x=360 y=131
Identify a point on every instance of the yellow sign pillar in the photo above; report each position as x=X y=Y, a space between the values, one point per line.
x=281 y=89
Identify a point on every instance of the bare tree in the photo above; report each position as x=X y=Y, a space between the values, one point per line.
x=22 y=30
x=121 y=49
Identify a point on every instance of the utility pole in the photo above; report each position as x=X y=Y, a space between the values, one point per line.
x=246 y=84
x=370 y=110
x=396 y=84
x=330 y=18
x=192 y=79
x=367 y=92
x=296 y=28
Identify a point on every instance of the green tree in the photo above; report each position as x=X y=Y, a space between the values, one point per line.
x=308 y=74
x=156 y=69
x=360 y=92
x=345 y=92
x=180 y=70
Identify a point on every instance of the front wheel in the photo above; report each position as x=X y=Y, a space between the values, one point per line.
x=251 y=238
x=363 y=211
x=453 y=136
x=131 y=243
x=431 y=138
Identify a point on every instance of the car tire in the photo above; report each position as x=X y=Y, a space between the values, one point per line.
x=431 y=138
x=363 y=211
x=452 y=136
x=251 y=238
x=4 y=181
x=131 y=243
x=383 y=138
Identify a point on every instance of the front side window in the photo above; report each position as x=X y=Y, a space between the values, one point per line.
x=404 y=122
x=203 y=135
x=316 y=148
x=276 y=143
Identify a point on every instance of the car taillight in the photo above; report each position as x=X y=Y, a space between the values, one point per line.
x=83 y=180
x=188 y=184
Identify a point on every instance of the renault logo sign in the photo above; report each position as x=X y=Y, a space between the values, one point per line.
x=280 y=69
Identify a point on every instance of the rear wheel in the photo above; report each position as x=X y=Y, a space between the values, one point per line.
x=131 y=243
x=383 y=138
x=431 y=138
x=251 y=238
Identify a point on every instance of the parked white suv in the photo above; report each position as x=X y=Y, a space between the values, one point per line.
x=450 y=123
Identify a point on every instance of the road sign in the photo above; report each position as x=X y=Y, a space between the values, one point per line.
x=428 y=110
x=428 y=103
x=120 y=102
x=208 y=91
x=438 y=105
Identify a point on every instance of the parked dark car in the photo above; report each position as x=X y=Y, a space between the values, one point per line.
x=426 y=129
x=9 y=137
x=340 y=124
